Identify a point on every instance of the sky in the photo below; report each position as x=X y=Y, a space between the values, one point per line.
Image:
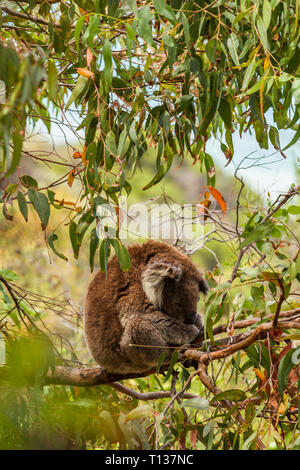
x=275 y=174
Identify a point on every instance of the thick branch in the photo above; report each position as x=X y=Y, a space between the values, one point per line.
x=90 y=377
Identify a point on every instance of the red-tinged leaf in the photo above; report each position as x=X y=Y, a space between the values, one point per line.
x=71 y=177
x=84 y=160
x=203 y=206
x=218 y=197
x=89 y=57
x=193 y=438
x=228 y=156
x=77 y=155
x=86 y=73
x=6 y=214
x=260 y=374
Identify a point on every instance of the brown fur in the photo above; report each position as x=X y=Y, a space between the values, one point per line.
x=154 y=303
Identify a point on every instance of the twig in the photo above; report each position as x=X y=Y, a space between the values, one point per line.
x=146 y=396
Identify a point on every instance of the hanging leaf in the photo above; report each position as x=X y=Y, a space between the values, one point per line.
x=218 y=197
x=77 y=90
x=122 y=254
x=285 y=367
x=225 y=113
x=164 y=10
x=94 y=243
x=28 y=182
x=51 y=239
x=71 y=176
x=262 y=30
x=41 y=205
x=108 y=62
x=52 y=80
x=232 y=395
x=23 y=205
x=144 y=25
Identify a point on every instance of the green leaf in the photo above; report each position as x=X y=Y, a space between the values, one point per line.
x=285 y=367
x=52 y=79
x=240 y=16
x=232 y=395
x=161 y=360
x=162 y=170
x=197 y=403
x=294 y=139
x=296 y=90
x=94 y=243
x=142 y=411
x=77 y=90
x=294 y=210
x=232 y=42
x=274 y=137
x=82 y=402
x=110 y=142
x=41 y=205
x=262 y=30
x=78 y=29
x=110 y=428
x=267 y=13
x=51 y=239
x=164 y=10
x=210 y=49
x=249 y=441
x=16 y=155
x=249 y=413
x=74 y=239
x=225 y=112
x=174 y=359
x=186 y=29
x=28 y=182
x=144 y=25
x=122 y=254
x=130 y=32
x=208 y=428
x=249 y=73
x=261 y=231
x=108 y=62
x=23 y=205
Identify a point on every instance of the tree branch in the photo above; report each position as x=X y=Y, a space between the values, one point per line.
x=25 y=17
x=93 y=376
x=147 y=396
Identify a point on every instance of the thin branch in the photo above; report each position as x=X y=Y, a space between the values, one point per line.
x=146 y=396
x=25 y=17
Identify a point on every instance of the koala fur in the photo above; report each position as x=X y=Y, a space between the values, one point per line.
x=153 y=304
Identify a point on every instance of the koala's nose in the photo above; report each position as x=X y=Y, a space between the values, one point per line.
x=190 y=319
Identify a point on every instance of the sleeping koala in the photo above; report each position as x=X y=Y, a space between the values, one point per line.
x=153 y=304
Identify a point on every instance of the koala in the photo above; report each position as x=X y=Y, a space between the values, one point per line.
x=153 y=304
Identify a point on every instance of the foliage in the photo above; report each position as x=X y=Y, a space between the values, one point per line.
x=138 y=82
x=142 y=79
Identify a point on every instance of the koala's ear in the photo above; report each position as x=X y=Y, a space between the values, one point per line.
x=203 y=286
x=153 y=279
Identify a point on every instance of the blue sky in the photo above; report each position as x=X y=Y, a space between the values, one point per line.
x=275 y=176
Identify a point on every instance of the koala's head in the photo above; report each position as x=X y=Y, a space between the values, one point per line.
x=174 y=286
